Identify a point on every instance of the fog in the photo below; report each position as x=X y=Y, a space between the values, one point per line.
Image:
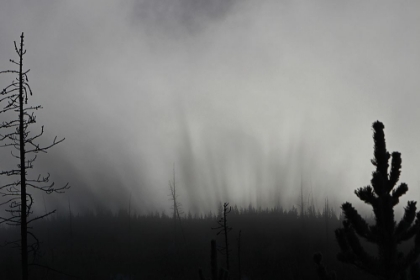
x=246 y=100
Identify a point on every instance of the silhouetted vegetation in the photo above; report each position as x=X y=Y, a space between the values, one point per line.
x=15 y=133
x=224 y=229
x=322 y=272
x=176 y=208
x=274 y=246
x=239 y=255
x=216 y=274
x=277 y=244
x=386 y=234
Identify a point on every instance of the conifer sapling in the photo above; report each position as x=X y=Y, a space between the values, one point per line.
x=382 y=195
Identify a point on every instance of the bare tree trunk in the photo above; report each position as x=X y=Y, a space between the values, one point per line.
x=226 y=238
x=18 y=136
x=23 y=225
x=239 y=255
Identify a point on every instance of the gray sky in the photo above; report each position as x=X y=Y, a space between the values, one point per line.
x=246 y=98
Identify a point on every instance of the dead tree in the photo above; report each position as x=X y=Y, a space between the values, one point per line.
x=15 y=134
x=224 y=228
x=239 y=254
x=216 y=274
x=177 y=212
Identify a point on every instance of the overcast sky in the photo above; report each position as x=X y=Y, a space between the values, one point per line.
x=247 y=99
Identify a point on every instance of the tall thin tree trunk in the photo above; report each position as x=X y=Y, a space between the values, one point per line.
x=226 y=239
x=239 y=255
x=23 y=226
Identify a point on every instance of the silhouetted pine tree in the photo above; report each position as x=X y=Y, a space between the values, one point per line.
x=386 y=234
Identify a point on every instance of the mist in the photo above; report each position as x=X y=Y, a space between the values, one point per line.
x=246 y=100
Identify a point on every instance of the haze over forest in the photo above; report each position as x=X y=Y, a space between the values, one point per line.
x=247 y=99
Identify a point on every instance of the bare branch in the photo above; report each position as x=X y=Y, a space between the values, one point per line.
x=9 y=71
x=17 y=135
x=41 y=217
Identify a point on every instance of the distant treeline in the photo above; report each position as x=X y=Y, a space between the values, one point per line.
x=275 y=244
x=308 y=210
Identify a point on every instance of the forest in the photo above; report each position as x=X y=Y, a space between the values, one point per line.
x=274 y=244
x=233 y=243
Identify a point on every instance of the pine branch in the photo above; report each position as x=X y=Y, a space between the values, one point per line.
x=395 y=173
x=386 y=234
x=358 y=223
x=381 y=155
x=342 y=241
x=362 y=260
x=412 y=231
x=366 y=194
x=406 y=221
x=398 y=192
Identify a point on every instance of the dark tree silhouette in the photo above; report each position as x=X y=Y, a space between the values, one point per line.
x=216 y=274
x=16 y=135
x=224 y=228
x=386 y=234
x=323 y=273
x=239 y=254
x=176 y=207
